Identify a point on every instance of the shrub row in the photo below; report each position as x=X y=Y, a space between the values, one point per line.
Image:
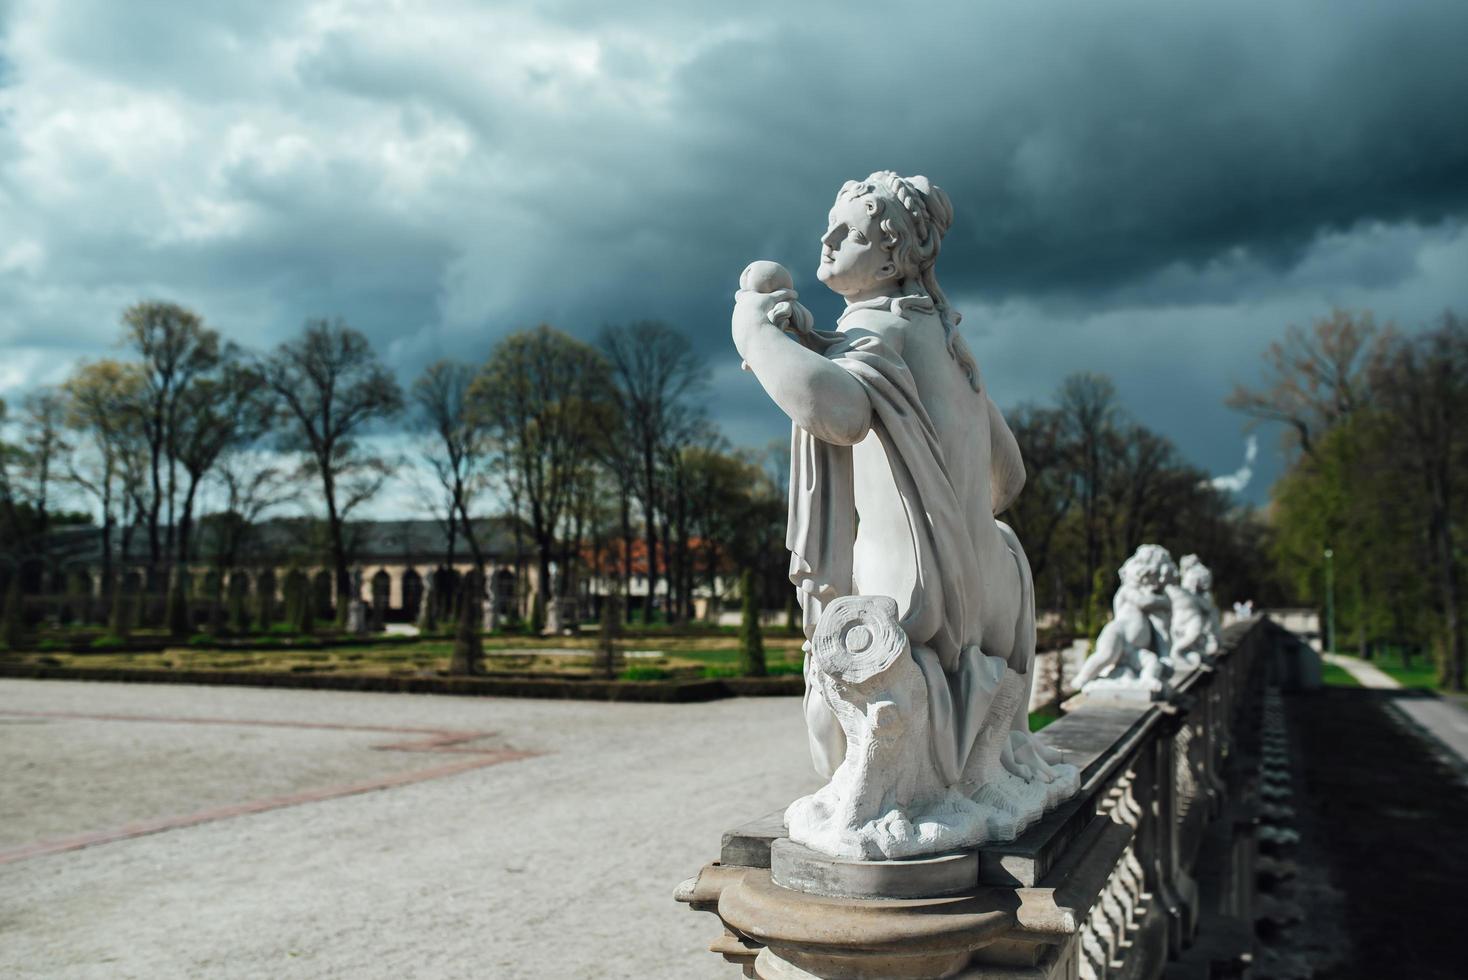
x=664 y=691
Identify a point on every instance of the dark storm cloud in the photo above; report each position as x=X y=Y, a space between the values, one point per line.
x=1147 y=189
x=1086 y=146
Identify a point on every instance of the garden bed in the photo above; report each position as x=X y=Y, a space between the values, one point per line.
x=673 y=668
x=676 y=690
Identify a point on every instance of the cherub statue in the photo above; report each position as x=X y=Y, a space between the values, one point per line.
x=1196 y=623
x=1131 y=652
x=918 y=604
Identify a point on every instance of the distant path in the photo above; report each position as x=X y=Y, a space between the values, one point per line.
x=1443 y=719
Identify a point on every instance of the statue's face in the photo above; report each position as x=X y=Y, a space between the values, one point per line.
x=1198 y=579
x=853 y=261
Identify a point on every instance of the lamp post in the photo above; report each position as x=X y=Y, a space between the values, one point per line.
x=1329 y=602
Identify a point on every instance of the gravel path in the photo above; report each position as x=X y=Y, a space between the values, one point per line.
x=561 y=864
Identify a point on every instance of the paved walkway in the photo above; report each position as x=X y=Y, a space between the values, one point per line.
x=173 y=831
x=1444 y=719
x=1382 y=840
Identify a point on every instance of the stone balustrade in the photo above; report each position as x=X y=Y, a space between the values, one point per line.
x=1148 y=869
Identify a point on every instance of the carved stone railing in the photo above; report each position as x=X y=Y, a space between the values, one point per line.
x=1154 y=851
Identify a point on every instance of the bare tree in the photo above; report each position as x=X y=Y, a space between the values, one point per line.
x=459 y=450
x=584 y=522
x=690 y=431
x=657 y=375
x=1312 y=379
x=468 y=651
x=333 y=388
x=1088 y=413
x=618 y=458
x=1140 y=487
x=175 y=348
x=719 y=487
x=42 y=428
x=253 y=482
x=10 y=510
x=1050 y=489
x=103 y=408
x=216 y=415
x=540 y=395
x=440 y=596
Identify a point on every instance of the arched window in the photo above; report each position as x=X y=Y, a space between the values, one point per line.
x=412 y=594
x=321 y=589
x=239 y=584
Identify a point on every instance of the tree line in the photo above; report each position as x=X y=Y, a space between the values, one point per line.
x=1375 y=425
x=605 y=460
x=603 y=454
x=1099 y=484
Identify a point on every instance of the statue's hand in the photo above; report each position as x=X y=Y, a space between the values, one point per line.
x=752 y=315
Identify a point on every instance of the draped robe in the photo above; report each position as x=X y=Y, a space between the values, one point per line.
x=940 y=615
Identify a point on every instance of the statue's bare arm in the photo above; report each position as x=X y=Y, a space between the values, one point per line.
x=1189 y=628
x=817 y=394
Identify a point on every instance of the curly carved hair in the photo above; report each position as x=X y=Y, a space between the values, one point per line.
x=1151 y=565
x=915 y=215
x=1195 y=575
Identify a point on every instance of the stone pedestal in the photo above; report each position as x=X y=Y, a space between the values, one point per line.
x=808 y=935
x=357 y=617
x=1011 y=910
x=560 y=616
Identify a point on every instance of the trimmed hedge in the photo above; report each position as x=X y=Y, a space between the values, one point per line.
x=102 y=642
x=663 y=691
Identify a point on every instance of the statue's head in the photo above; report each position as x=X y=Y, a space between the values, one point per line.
x=1149 y=568
x=883 y=238
x=1195 y=575
x=885 y=229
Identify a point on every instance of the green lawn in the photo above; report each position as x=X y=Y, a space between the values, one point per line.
x=1333 y=676
x=1420 y=671
x=723 y=656
x=673 y=656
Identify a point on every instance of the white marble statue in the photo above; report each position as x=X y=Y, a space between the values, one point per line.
x=426 y=618
x=356 y=609
x=1131 y=655
x=918 y=605
x=1196 y=623
x=490 y=612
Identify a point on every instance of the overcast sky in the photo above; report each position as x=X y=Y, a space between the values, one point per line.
x=1150 y=190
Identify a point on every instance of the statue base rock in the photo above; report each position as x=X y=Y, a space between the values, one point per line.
x=888 y=799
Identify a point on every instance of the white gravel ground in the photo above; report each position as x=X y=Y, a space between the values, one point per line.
x=561 y=865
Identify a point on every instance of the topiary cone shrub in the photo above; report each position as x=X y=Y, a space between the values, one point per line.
x=611 y=624
x=124 y=613
x=178 y=608
x=264 y=610
x=468 y=656
x=12 y=624
x=751 y=640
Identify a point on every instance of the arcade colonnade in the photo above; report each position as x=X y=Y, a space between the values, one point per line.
x=394 y=591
